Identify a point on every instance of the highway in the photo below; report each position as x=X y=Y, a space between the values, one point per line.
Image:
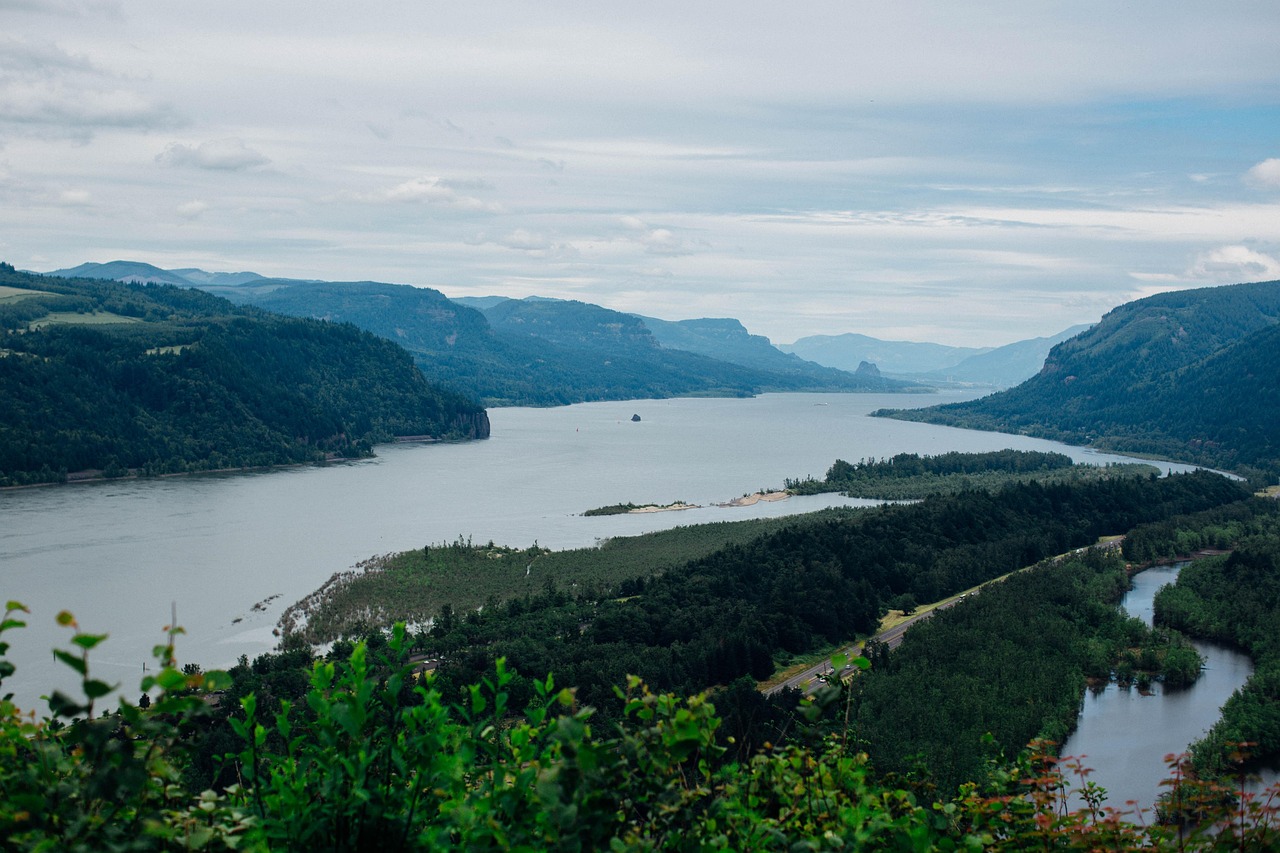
x=807 y=680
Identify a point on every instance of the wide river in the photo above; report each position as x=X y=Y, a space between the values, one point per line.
x=229 y=552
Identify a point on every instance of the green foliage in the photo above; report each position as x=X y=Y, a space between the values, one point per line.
x=372 y=758
x=909 y=476
x=197 y=385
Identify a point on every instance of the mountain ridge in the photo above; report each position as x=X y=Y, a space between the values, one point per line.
x=1188 y=375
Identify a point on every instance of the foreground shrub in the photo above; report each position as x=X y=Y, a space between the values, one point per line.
x=374 y=759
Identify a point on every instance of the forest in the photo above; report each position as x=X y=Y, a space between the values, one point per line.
x=1186 y=375
x=118 y=379
x=370 y=755
x=806 y=585
x=1006 y=666
x=909 y=476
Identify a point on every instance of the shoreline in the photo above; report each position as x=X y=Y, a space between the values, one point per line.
x=679 y=505
x=756 y=497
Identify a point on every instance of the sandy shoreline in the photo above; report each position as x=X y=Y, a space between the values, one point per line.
x=669 y=508
x=748 y=500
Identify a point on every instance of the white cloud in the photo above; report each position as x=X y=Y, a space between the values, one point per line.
x=524 y=241
x=1266 y=173
x=191 y=209
x=230 y=155
x=44 y=86
x=75 y=198
x=1235 y=264
x=430 y=190
x=656 y=240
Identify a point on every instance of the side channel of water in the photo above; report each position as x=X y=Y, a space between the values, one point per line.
x=1124 y=734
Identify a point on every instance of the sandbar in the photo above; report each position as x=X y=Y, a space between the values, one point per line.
x=748 y=500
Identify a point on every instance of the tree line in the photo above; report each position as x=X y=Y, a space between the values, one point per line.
x=195 y=384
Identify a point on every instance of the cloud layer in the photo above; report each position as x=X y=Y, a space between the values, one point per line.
x=972 y=175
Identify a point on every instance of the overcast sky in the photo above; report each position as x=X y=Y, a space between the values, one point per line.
x=968 y=173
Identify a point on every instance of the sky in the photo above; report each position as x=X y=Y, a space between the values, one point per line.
x=966 y=173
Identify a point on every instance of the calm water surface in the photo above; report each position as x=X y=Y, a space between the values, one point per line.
x=1125 y=734
x=231 y=551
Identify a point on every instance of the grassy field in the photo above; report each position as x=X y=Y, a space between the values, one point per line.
x=95 y=318
x=12 y=294
x=414 y=585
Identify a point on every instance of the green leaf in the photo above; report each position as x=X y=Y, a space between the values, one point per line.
x=62 y=706
x=71 y=660
x=16 y=605
x=217 y=680
x=88 y=641
x=12 y=623
x=839 y=660
x=65 y=618
x=95 y=689
x=171 y=679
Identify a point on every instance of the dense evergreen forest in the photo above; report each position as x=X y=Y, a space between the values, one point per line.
x=1188 y=375
x=120 y=378
x=810 y=584
x=907 y=476
x=1006 y=666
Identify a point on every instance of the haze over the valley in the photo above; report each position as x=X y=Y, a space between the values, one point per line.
x=971 y=175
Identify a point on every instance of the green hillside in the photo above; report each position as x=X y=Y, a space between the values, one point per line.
x=112 y=377
x=1188 y=375
x=533 y=352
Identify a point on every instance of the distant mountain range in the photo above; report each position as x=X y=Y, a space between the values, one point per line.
x=1191 y=375
x=998 y=367
x=539 y=351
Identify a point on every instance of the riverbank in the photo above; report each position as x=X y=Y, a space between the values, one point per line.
x=756 y=497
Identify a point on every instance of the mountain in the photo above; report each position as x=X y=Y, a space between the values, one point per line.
x=728 y=340
x=723 y=347
x=929 y=363
x=1003 y=366
x=1188 y=375
x=532 y=351
x=110 y=376
x=132 y=271
x=897 y=358
x=207 y=279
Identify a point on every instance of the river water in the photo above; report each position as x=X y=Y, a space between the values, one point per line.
x=229 y=552
x=1124 y=734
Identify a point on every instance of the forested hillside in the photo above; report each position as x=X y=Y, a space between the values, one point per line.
x=1188 y=375
x=528 y=351
x=110 y=377
x=815 y=582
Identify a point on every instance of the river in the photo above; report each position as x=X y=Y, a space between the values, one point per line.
x=1124 y=733
x=230 y=551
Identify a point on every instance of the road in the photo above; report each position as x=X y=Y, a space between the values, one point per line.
x=807 y=681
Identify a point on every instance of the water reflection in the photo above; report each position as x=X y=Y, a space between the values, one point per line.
x=1126 y=735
